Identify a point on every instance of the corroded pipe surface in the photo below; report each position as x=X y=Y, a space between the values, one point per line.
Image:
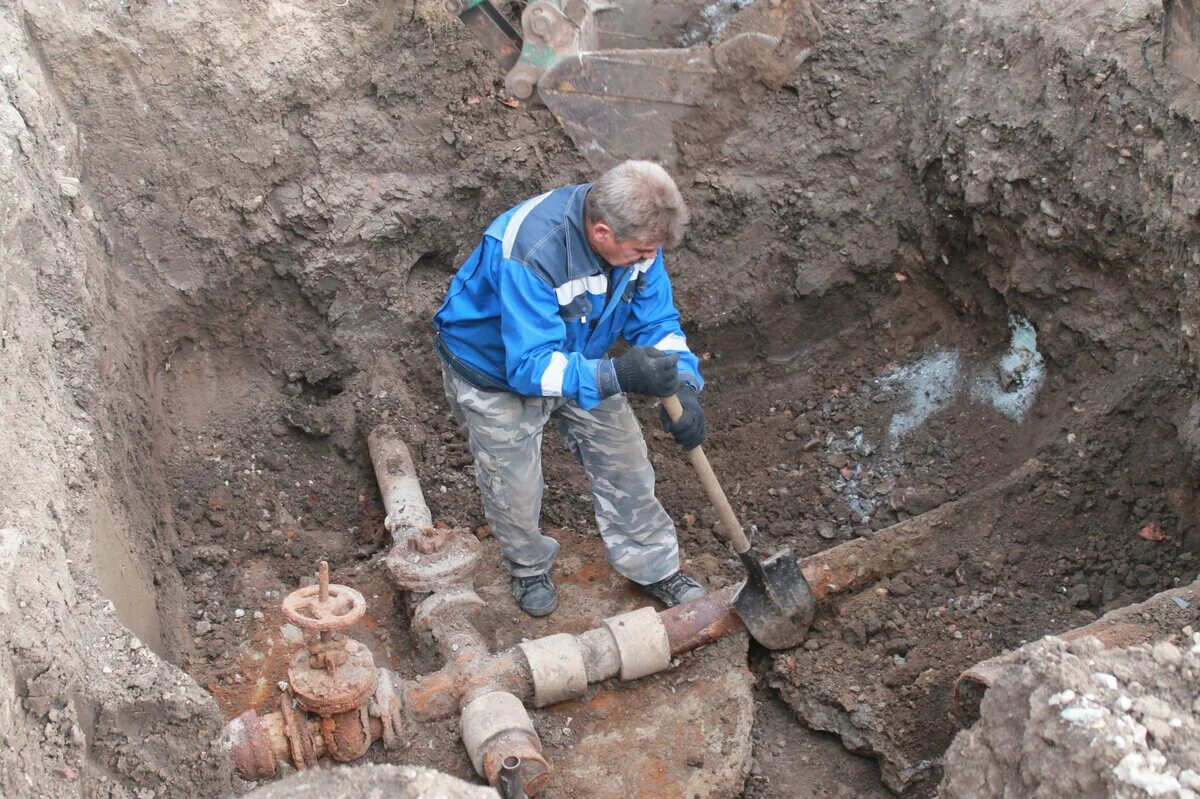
x=854 y=564
x=470 y=671
x=691 y=625
x=702 y=621
x=407 y=512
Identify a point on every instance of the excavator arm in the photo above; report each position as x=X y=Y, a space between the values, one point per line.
x=667 y=80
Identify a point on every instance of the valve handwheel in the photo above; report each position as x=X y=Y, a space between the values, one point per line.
x=324 y=607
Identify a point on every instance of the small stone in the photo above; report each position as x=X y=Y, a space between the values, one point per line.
x=839 y=460
x=1082 y=715
x=695 y=761
x=1054 y=232
x=825 y=530
x=134 y=644
x=1158 y=729
x=1152 y=707
x=1061 y=698
x=203 y=627
x=812 y=645
x=854 y=183
x=283 y=686
x=258 y=615
x=68 y=186
x=239 y=613
x=1167 y=654
x=841 y=122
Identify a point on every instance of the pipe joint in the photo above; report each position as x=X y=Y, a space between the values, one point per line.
x=557 y=668
x=496 y=727
x=641 y=639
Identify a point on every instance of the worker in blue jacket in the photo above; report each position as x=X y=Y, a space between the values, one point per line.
x=524 y=335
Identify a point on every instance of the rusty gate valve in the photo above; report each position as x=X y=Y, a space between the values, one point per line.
x=336 y=674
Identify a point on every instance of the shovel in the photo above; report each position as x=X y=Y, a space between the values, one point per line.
x=776 y=603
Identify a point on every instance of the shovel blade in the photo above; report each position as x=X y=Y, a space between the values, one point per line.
x=776 y=603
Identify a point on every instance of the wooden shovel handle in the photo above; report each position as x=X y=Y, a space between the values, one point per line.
x=712 y=487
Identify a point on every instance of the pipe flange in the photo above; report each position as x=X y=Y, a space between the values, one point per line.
x=488 y=717
x=461 y=599
x=642 y=641
x=452 y=564
x=348 y=688
x=556 y=665
x=299 y=742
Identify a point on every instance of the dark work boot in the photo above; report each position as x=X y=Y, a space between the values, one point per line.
x=536 y=595
x=675 y=589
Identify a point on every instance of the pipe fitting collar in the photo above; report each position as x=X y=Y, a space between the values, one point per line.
x=488 y=717
x=556 y=665
x=642 y=641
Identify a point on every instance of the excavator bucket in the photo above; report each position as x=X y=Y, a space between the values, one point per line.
x=1181 y=40
x=667 y=81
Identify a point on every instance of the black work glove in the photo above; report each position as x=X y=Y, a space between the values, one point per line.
x=645 y=370
x=691 y=429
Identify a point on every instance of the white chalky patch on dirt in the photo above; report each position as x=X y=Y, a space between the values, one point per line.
x=929 y=385
x=1013 y=386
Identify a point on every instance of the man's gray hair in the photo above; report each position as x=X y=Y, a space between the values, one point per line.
x=639 y=201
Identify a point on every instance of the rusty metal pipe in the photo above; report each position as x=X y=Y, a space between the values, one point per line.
x=456 y=636
x=423 y=558
x=407 y=513
x=471 y=671
x=1152 y=620
x=700 y=622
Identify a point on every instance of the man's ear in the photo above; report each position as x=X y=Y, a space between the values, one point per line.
x=601 y=231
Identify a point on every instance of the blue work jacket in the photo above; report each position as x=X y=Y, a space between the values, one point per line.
x=533 y=310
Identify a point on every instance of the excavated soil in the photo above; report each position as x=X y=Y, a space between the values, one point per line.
x=946 y=275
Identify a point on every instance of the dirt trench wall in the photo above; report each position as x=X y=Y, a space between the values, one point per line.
x=1064 y=176
x=86 y=708
x=348 y=148
x=1062 y=166
x=358 y=150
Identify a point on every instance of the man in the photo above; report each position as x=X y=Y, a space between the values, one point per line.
x=523 y=335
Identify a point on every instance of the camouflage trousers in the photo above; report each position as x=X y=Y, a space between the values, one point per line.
x=504 y=432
